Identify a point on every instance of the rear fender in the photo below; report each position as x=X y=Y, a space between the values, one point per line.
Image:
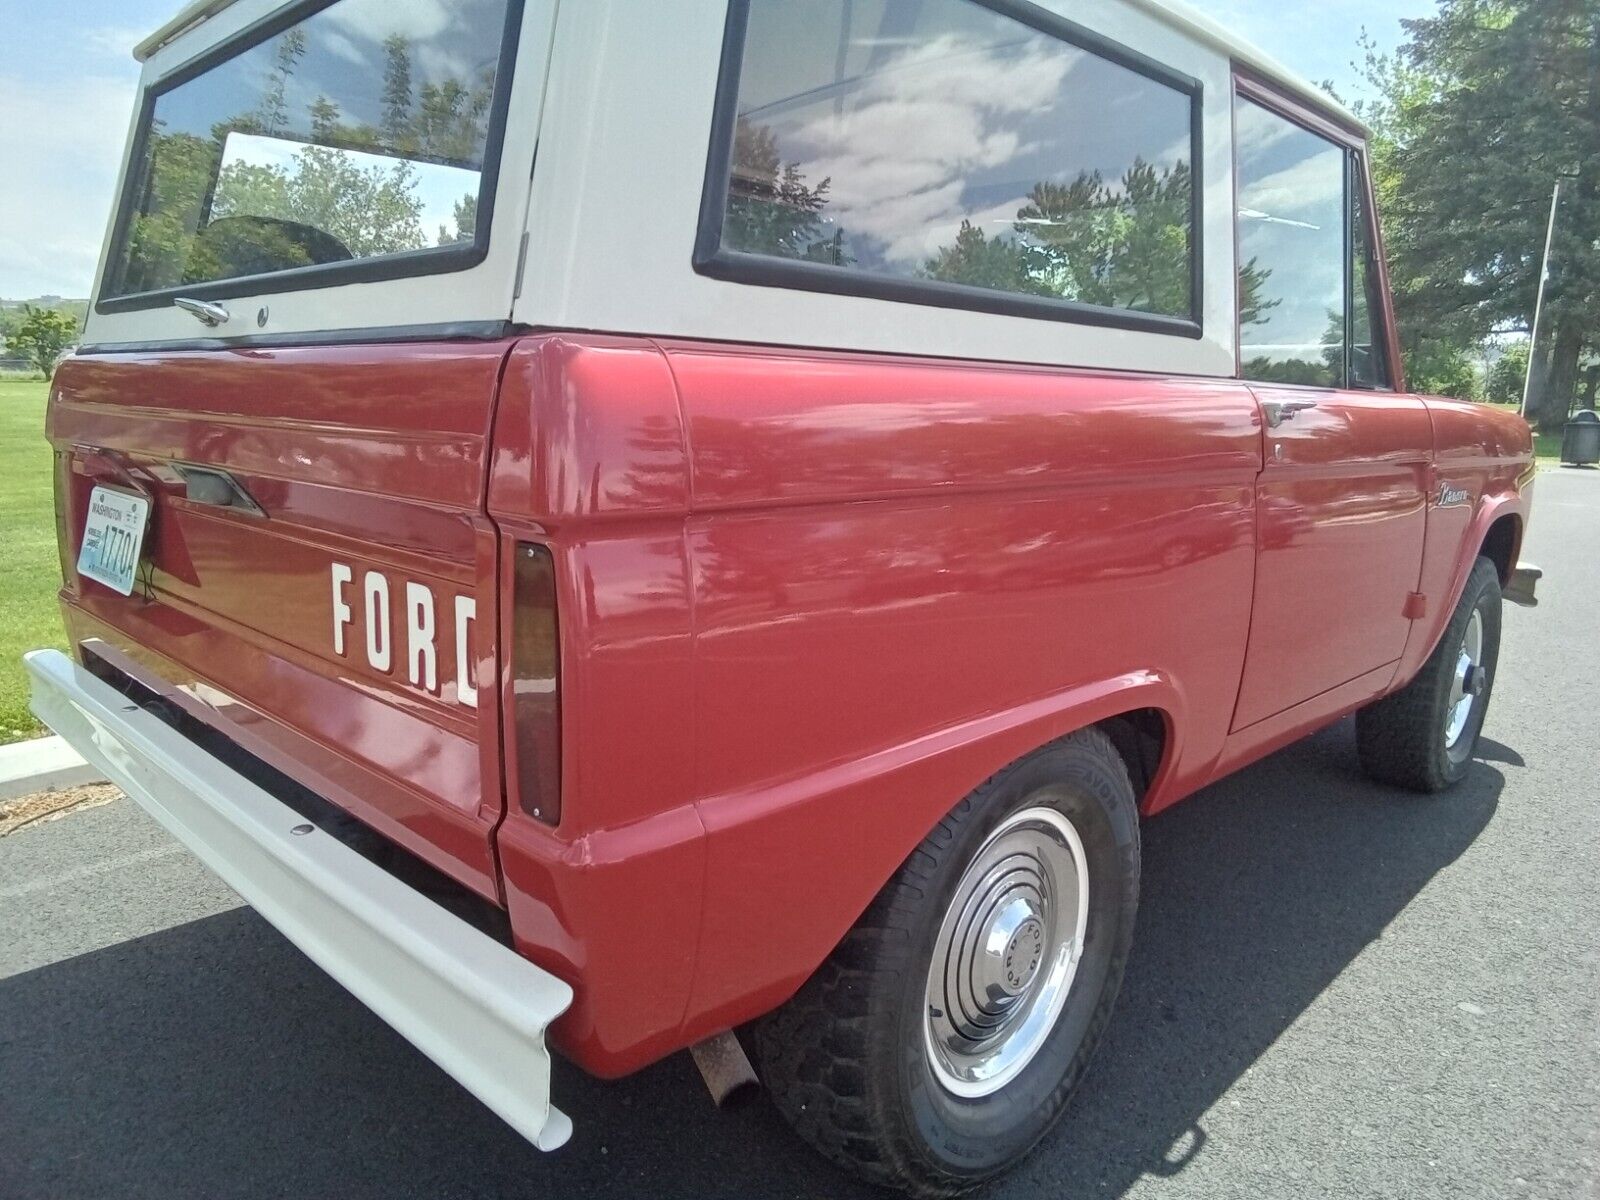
x=791 y=866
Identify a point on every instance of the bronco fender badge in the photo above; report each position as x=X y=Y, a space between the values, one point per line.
x=1450 y=496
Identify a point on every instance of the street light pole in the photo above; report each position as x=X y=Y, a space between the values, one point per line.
x=1538 y=304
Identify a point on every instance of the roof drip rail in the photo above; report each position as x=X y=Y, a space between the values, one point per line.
x=192 y=14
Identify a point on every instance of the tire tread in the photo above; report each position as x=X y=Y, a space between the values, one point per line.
x=812 y=1051
x=1398 y=738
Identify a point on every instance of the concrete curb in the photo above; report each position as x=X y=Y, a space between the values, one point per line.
x=42 y=765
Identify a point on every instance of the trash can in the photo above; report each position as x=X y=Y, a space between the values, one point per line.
x=1580 y=444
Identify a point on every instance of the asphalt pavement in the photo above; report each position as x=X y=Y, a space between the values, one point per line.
x=1337 y=991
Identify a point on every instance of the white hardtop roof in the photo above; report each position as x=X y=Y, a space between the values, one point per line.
x=1198 y=25
x=1177 y=13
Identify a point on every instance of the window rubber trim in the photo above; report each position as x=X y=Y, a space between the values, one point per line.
x=434 y=260
x=451 y=331
x=1357 y=190
x=761 y=270
x=1249 y=89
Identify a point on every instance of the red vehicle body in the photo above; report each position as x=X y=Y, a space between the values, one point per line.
x=695 y=605
x=755 y=551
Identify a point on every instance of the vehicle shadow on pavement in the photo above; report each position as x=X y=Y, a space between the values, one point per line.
x=213 y=1060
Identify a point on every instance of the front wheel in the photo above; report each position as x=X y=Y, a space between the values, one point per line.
x=1423 y=736
x=943 y=1037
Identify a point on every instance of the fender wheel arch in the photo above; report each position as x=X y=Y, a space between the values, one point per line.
x=1143 y=737
x=1501 y=543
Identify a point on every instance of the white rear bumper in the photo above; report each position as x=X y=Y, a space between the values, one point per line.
x=473 y=1006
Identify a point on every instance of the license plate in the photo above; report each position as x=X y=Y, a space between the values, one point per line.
x=113 y=537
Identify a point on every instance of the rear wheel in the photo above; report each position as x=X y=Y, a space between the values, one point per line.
x=943 y=1037
x=1423 y=736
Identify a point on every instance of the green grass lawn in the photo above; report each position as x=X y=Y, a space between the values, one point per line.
x=29 y=572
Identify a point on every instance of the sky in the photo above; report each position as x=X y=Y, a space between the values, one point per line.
x=67 y=81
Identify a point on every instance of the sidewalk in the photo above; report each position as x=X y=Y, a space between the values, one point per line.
x=44 y=764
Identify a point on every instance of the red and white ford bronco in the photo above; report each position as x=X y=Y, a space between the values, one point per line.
x=649 y=524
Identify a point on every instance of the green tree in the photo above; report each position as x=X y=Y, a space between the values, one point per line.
x=978 y=260
x=771 y=210
x=450 y=120
x=396 y=88
x=161 y=250
x=1253 y=306
x=1504 y=382
x=371 y=210
x=465 y=211
x=1118 y=246
x=41 y=336
x=1486 y=104
x=274 y=112
x=1124 y=246
x=324 y=120
x=1441 y=367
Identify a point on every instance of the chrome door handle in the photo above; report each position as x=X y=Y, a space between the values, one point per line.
x=1279 y=411
x=203 y=311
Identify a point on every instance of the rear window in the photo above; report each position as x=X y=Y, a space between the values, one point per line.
x=355 y=142
x=950 y=152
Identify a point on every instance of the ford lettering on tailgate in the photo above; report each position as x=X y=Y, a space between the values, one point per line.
x=412 y=632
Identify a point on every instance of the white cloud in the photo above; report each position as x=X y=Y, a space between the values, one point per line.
x=1256 y=132
x=1311 y=190
x=371 y=22
x=437 y=63
x=901 y=151
x=62 y=145
x=374 y=20
x=342 y=46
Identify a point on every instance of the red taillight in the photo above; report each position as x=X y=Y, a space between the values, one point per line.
x=535 y=671
x=64 y=520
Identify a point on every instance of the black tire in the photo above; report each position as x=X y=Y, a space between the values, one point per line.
x=846 y=1059
x=1402 y=739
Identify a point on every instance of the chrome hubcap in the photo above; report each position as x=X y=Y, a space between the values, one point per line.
x=1469 y=682
x=1007 y=952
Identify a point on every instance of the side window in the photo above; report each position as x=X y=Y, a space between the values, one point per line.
x=1292 y=251
x=944 y=152
x=1369 y=367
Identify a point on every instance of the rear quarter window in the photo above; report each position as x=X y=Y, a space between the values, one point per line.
x=954 y=152
x=341 y=141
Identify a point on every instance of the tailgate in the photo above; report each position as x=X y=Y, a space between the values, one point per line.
x=318 y=573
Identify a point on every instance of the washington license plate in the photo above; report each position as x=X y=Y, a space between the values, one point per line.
x=113 y=538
